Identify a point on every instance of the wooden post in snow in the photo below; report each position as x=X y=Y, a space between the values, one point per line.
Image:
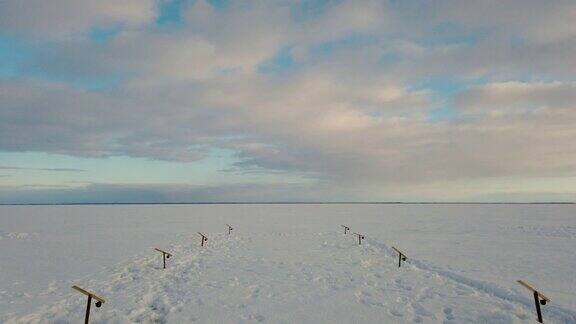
x=229 y=229
x=165 y=255
x=204 y=239
x=99 y=301
x=360 y=238
x=538 y=299
x=401 y=256
x=346 y=228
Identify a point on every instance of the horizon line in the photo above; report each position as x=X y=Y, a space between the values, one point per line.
x=301 y=203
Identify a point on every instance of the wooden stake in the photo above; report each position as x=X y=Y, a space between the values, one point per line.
x=229 y=229
x=87 y=316
x=346 y=228
x=204 y=239
x=360 y=238
x=401 y=256
x=539 y=299
x=99 y=301
x=537 y=302
x=165 y=255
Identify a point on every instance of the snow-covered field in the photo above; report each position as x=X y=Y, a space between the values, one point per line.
x=288 y=263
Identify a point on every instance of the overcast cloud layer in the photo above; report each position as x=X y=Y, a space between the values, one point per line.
x=367 y=100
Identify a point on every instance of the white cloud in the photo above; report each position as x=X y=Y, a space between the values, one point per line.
x=59 y=18
x=168 y=193
x=539 y=21
x=518 y=97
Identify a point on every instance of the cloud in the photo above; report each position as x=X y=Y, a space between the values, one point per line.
x=167 y=193
x=534 y=20
x=518 y=97
x=314 y=127
x=58 y=119
x=212 y=43
x=3 y=167
x=263 y=192
x=60 y=18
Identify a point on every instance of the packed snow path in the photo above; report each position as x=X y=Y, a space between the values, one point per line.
x=290 y=277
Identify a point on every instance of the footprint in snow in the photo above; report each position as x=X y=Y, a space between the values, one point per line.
x=420 y=310
x=448 y=313
x=396 y=313
x=402 y=285
x=254 y=292
x=254 y=317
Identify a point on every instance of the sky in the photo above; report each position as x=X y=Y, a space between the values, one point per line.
x=308 y=100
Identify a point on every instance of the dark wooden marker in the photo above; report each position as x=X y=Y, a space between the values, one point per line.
x=99 y=302
x=204 y=239
x=346 y=228
x=229 y=229
x=539 y=299
x=360 y=238
x=165 y=255
x=401 y=256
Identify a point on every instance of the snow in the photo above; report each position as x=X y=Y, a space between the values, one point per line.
x=287 y=263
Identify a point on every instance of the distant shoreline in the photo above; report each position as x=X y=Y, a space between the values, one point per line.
x=292 y=203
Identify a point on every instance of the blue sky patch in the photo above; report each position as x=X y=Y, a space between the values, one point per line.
x=103 y=34
x=13 y=54
x=171 y=12
x=281 y=62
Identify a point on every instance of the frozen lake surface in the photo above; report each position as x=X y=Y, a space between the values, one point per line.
x=288 y=263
